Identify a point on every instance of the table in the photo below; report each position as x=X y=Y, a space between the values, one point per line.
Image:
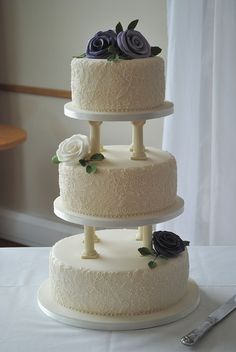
x=24 y=327
x=11 y=136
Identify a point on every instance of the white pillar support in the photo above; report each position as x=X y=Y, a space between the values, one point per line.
x=95 y=237
x=139 y=234
x=147 y=236
x=95 y=146
x=89 y=251
x=137 y=147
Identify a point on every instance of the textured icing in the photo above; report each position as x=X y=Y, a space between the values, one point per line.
x=127 y=85
x=121 y=187
x=119 y=282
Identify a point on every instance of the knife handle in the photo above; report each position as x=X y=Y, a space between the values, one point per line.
x=192 y=337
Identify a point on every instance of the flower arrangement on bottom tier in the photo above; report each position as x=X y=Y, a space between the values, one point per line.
x=165 y=244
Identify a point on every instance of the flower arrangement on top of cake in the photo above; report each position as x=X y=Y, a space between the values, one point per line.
x=119 y=72
x=120 y=44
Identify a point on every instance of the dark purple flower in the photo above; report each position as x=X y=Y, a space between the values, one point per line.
x=133 y=44
x=167 y=244
x=97 y=47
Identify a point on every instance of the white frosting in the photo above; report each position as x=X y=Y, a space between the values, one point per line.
x=119 y=282
x=121 y=187
x=126 y=85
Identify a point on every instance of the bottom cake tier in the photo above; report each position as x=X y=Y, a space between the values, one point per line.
x=117 y=283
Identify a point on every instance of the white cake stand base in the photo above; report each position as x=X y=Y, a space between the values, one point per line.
x=132 y=221
x=89 y=321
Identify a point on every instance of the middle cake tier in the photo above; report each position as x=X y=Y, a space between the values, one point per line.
x=121 y=187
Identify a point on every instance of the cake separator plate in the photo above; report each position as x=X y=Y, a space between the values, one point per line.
x=163 y=215
x=165 y=109
x=89 y=321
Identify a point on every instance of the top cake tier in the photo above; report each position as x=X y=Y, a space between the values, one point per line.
x=99 y=85
x=119 y=75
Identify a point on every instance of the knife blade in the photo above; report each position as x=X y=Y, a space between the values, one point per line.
x=215 y=317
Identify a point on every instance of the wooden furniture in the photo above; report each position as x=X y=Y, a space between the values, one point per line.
x=10 y=136
x=48 y=92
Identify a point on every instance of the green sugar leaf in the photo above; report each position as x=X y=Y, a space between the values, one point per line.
x=124 y=58
x=186 y=243
x=97 y=156
x=55 y=159
x=111 y=57
x=155 y=50
x=132 y=24
x=116 y=58
x=91 y=168
x=112 y=49
x=144 y=251
x=79 y=56
x=163 y=257
x=119 y=28
x=152 y=264
x=83 y=162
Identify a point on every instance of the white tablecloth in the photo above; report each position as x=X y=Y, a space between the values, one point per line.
x=24 y=327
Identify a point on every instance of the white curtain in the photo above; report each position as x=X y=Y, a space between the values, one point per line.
x=201 y=81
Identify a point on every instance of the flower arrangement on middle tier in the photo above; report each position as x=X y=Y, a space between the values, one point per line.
x=76 y=150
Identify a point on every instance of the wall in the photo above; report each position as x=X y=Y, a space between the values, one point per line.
x=37 y=43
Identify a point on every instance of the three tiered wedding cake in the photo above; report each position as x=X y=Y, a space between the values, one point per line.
x=108 y=273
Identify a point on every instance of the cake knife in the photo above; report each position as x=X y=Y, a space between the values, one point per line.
x=215 y=317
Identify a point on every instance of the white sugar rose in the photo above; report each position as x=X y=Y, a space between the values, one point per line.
x=72 y=149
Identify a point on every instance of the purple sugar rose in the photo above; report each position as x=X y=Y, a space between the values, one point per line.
x=133 y=44
x=97 y=47
x=167 y=244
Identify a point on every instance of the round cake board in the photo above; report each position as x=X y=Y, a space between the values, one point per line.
x=132 y=221
x=89 y=321
x=165 y=109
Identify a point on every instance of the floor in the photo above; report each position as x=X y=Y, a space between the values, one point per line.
x=5 y=243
